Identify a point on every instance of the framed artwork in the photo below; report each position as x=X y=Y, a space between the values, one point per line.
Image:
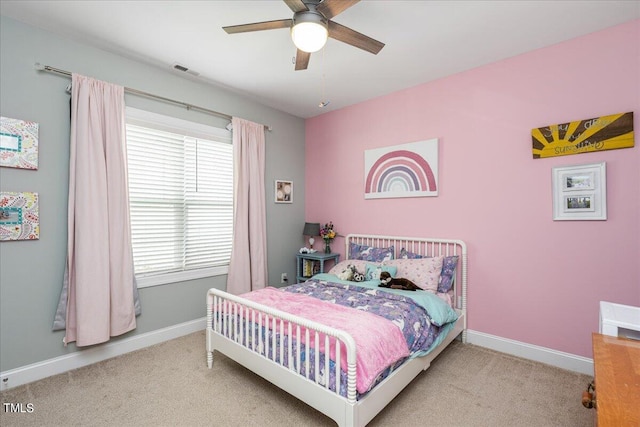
x=405 y=170
x=284 y=191
x=580 y=192
x=18 y=143
x=584 y=136
x=19 y=218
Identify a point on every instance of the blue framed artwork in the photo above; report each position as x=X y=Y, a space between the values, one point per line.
x=19 y=218
x=18 y=143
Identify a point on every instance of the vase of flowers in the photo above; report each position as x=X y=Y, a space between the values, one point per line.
x=328 y=234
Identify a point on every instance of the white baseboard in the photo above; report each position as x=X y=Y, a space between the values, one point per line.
x=57 y=365
x=536 y=353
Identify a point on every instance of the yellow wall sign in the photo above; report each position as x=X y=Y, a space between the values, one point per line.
x=584 y=136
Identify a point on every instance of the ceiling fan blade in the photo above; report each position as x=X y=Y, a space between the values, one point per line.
x=354 y=38
x=302 y=60
x=296 y=5
x=259 y=26
x=331 y=8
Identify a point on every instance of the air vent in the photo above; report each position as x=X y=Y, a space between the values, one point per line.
x=185 y=69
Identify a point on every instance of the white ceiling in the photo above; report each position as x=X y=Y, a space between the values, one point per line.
x=425 y=40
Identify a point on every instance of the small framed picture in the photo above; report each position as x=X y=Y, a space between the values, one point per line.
x=284 y=191
x=580 y=192
x=19 y=218
x=579 y=181
x=18 y=143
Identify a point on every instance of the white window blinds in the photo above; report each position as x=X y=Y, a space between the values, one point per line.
x=181 y=198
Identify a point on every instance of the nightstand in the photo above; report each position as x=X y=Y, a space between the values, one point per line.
x=312 y=263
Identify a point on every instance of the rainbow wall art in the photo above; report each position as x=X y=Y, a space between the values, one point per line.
x=405 y=170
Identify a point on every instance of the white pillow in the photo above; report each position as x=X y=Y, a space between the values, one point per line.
x=424 y=272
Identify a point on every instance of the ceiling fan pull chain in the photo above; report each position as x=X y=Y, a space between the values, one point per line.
x=323 y=100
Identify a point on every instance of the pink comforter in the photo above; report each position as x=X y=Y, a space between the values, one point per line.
x=379 y=342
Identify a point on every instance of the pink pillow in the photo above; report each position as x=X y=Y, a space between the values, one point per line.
x=424 y=272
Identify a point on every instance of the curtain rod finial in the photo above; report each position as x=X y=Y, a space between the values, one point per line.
x=38 y=66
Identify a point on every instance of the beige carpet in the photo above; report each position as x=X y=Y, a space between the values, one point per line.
x=170 y=385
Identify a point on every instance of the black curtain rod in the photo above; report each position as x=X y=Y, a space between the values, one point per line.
x=50 y=69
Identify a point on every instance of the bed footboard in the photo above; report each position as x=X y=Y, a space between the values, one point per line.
x=278 y=346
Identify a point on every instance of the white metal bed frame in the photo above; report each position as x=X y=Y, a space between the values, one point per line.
x=293 y=376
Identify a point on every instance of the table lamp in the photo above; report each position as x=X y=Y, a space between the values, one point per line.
x=311 y=229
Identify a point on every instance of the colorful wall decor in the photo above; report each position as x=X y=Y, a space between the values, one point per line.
x=405 y=170
x=18 y=143
x=19 y=218
x=584 y=136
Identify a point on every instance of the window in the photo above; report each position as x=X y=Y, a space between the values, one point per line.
x=181 y=198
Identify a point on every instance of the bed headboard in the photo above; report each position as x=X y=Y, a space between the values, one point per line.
x=426 y=247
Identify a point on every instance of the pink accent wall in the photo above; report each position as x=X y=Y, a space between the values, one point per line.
x=531 y=279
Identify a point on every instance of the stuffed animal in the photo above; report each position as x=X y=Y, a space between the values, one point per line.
x=351 y=273
x=347 y=273
x=357 y=277
x=386 y=281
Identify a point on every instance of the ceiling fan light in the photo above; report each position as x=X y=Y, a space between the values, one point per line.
x=309 y=36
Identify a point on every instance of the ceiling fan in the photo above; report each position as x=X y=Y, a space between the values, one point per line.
x=311 y=25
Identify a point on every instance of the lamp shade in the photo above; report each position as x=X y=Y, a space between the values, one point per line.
x=309 y=31
x=311 y=229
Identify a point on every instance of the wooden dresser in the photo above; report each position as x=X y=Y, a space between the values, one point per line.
x=617 y=380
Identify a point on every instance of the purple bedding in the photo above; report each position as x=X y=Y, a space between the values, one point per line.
x=411 y=318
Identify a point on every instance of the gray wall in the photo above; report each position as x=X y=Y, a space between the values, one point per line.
x=31 y=271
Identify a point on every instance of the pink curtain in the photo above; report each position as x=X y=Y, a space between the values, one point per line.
x=248 y=266
x=100 y=297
